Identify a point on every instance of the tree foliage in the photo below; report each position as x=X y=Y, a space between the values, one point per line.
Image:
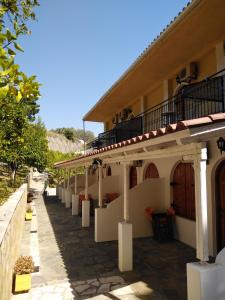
x=55 y=176
x=18 y=93
x=73 y=134
x=13 y=17
x=36 y=146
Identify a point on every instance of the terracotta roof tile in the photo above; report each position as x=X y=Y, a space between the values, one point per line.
x=217 y=117
x=152 y=134
x=194 y=122
x=160 y=131
x=171 y=128
x=182 y=125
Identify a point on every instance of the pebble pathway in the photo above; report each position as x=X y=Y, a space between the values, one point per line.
x=73 y=266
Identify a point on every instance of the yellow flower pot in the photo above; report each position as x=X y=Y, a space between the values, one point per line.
x=22 y=282
x=28 y=216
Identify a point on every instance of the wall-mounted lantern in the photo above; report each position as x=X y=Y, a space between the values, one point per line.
x=96 y=162
x=221 y=144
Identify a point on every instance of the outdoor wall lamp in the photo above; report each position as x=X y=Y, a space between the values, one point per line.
x=96 y=162
x=221 y=144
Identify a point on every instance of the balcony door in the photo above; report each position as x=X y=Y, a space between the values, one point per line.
x=184 y=190
x=220 y=205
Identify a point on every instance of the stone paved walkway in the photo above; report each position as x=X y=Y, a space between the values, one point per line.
x=73 y=266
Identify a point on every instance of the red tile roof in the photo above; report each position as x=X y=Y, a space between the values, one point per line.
x=171 y=128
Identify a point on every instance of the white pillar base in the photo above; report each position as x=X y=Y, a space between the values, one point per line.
x=86 y=213
x=68 y=199
x=98 y=230
x=63 y=195
x=75 y=204
x=125 y=246
x=59 y=192
x=205 y=281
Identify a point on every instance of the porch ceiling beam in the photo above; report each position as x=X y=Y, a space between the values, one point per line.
x=185 y=150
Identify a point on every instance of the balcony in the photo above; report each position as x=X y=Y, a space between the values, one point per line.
x=193 y=101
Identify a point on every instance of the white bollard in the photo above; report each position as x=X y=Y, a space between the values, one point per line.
x=206 y=281
x=68 y=200
x=125 y=246
x=60 y=192
x=86 y=213
x=75 y=204
x=63 y=195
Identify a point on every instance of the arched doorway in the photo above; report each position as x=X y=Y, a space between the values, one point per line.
x=151 y=171
x=133 y=177
x=184 y=190
x=109 y=171
x=220 y=205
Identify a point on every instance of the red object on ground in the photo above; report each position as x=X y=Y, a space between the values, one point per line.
x=111 y=196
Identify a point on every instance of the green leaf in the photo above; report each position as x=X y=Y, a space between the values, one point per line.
x=18 y=47
x=11 y=52
x=19 y=96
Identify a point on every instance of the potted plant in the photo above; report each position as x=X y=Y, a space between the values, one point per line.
x=30 y=197
x=23 y=268
x=29 y=212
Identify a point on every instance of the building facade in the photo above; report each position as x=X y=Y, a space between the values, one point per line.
x=163 y=144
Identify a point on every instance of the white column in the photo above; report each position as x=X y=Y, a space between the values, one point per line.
x=64 y=188
x=100 y=196
x=75 y=198
x=68 y=195
x=86 y=204
x=201 y=206
x=125 y=192
x=125 y=236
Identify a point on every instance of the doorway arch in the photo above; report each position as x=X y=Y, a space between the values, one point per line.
x=151 y=171
x=109 y=171
x=133 y=177
x=220 y=205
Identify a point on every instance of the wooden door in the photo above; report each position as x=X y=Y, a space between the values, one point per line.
x=133 y=177
x=151 y=171
x=220 y=185
x=184 y=190
x=109 y=171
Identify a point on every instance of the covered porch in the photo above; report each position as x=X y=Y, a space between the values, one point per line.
x=159 y=270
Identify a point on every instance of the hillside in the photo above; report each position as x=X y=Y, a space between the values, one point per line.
x=58 y=142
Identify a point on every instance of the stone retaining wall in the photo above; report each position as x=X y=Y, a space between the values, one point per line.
x=12 y=215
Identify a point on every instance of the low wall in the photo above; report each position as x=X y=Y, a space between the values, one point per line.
x=12 y=214
x=185 y=231
x=110 y=184
x=151 y=193
x=81 y=182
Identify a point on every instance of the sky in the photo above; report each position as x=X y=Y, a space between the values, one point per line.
x=79 y=48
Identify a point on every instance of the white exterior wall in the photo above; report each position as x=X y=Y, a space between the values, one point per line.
x=215 y=158
x=149 y=193
x=184 y=229
x=110 y=184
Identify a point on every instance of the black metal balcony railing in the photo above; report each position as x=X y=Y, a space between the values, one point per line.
x=193 y=101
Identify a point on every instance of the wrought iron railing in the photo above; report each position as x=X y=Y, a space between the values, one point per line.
x=193 y=101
